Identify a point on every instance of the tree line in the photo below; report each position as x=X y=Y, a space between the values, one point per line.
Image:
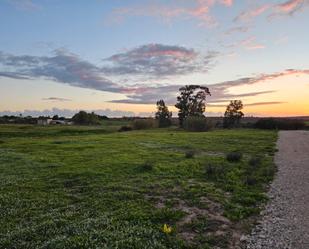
x=191 y=104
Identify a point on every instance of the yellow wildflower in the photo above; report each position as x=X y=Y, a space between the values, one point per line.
x=167 y=229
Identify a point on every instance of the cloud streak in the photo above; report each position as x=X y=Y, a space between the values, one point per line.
x=249 y=43
x=220 y=91
x=289 y=7
x=247 y=15
x=56 y=99
x=198 y=10
x=250 y=104
x=24 y=4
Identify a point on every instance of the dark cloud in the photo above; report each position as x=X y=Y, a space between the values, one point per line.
x=155 y=60
x=151 y=95
x=266 y=103
x=56 y=99
x=63 y=66
x=250 y=104
x=220 y=91
x=149 y=61
x=158 y=60
x=13 y=75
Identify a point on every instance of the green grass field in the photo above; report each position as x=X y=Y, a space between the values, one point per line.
x=90 y=187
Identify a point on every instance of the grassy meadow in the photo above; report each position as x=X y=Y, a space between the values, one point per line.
x=94 y=187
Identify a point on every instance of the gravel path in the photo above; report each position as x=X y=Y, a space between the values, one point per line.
x=285 y=221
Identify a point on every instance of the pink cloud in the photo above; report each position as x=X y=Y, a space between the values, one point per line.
x=286 y=8
x=227 y=2
x=290 y=6
x=255 y=46
x=251 y=44
x=200 y=11
x=251 y=13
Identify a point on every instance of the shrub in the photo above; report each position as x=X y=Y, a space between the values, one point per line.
x=210 y=169
x=142 y=124
x=255 y=161
x=162 y=123
x=214 y=171
x=234 y=156
x=147 y=166
x=280 y=124
x=190 y=154
x=250 y=180
x=197 y=123
x=125 y=128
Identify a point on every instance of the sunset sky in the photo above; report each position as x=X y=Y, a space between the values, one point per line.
x=118 y=57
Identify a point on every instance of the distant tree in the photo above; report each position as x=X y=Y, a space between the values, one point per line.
x=103 y=117
x=233 y=114
x=191 y=101
x=55 y=117
x=163 y=115
x=84 y=118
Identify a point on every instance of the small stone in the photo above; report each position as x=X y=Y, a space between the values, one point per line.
x=243 y=238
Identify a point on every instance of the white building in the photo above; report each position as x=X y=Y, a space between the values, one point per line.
x=44 y=121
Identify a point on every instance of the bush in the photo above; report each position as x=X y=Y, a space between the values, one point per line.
x=142 y=124
x=164 y=123
x=255 y=161
x=125 y=128
x=280 y=124
x=210 y=169
x=190 y=154
x=234 y=156
x=147 y=166
x=214 y=171
x=84 y=118
x=197 y=123
x=250 y=180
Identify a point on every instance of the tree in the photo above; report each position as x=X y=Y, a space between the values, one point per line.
x=191 y=101
x=55 y=117
x=84 y=118
x=233 y=114
x=163 y=115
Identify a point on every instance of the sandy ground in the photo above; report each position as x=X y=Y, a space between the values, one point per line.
x=285 y=221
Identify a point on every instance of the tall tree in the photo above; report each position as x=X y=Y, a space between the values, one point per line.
x=191 y=101
x=233 y=114
x=163 y=115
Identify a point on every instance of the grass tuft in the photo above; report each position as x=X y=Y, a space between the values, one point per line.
x=234 y=156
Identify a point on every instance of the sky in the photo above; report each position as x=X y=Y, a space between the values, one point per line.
x=118 y=57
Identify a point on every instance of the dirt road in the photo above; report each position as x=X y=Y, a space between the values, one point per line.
x=285 y=221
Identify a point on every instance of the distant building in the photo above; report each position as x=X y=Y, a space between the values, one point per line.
x=61 y=122
x=49 y=121
x=44 y=121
